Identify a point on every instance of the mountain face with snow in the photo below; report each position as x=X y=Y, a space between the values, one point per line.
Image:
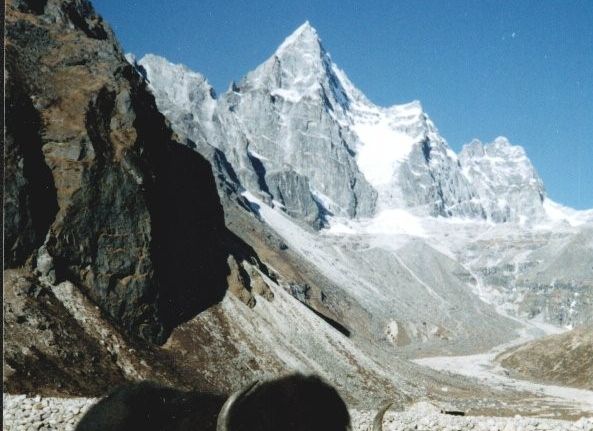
x=191 y=92
x=300 y=136
x=277 y=126
x=508 y=186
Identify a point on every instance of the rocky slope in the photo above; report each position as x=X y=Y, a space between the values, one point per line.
x=544 y=273
x=564 y=359
x=46 y=350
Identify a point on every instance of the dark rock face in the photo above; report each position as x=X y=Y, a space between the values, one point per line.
x=30 y=197
x=32 y=6
x=131 y=216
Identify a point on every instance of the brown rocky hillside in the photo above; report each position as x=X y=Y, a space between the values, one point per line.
x=564 y=359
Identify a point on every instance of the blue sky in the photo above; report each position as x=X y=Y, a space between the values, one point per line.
x=522 y=69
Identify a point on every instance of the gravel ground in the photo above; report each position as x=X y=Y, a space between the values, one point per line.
x=425 y=416
x=25 y=413
x=37 y=413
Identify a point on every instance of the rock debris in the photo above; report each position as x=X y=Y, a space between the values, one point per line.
x=36 y=413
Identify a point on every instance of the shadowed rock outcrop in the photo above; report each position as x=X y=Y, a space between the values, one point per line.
x=97 y=179
x=29 y=195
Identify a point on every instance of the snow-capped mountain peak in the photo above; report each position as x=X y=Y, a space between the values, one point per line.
x=500 y=146
x=301 y=69
x=299 y=133
x=304 y=39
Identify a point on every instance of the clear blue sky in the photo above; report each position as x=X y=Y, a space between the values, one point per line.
x=522 y=69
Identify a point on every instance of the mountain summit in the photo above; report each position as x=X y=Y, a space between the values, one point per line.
x=304 y=38
x=300 y=68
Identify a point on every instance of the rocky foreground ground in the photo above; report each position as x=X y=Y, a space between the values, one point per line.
x=26 y=413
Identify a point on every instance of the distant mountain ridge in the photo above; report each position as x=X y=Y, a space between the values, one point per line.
x=301 y=136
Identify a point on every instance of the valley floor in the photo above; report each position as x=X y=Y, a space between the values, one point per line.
x=489 y=372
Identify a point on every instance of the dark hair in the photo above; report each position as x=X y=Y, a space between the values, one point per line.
x=291 y=403
x=149 y=406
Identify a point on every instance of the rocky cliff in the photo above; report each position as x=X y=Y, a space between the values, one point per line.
x=99 y=192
